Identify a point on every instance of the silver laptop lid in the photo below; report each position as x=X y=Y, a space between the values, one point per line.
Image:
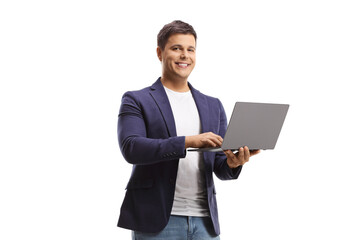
x=256 y=125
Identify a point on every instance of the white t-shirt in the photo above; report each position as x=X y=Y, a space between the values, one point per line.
x=190 y=191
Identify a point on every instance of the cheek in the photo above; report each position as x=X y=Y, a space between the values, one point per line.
x=170 y=63
x=193 y=62
x=193 y=59
x=167 y=64
x=168 y=59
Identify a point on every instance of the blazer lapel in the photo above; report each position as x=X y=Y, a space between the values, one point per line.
x=203 y=108
x=157 y=91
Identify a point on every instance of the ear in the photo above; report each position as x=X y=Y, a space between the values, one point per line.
x=158 y=51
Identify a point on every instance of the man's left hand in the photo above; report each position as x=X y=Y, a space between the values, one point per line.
x=239 y=158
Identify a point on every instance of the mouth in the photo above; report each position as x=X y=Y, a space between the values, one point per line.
x=182 y=64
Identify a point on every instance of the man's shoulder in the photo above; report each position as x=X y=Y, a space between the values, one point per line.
x=209 y=98
x=136 y=96
x=139 y=93
x=145 y=90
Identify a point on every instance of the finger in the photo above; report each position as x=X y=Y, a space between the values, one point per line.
x=230 y=155
x=254 y=152
x=214 y=142
x=241 y=154
x=208 y=143
x=246 y=154
x=216 y=138
x=211 y=139
x=227 y=153
x=231 y=159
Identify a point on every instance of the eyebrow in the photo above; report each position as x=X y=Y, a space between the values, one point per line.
x=179 y=45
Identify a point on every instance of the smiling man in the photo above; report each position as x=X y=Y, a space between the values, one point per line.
x=171 y=192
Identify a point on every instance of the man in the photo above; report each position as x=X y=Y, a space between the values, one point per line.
x=171 y=193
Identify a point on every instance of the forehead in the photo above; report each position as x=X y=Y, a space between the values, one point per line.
x=181 y=39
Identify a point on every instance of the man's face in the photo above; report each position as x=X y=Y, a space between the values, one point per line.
x=178 y=57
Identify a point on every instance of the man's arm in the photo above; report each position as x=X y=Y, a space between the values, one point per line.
x=135 y=145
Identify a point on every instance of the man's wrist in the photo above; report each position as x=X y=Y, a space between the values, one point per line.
x=188 y=141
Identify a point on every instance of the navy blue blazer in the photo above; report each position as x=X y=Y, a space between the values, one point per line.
x=148 y=140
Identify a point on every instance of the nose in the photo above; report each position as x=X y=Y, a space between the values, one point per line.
x=184 y=55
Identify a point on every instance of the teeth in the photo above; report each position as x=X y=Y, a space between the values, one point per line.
x=182 y=64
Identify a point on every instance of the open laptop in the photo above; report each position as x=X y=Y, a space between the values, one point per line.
x=255 y=125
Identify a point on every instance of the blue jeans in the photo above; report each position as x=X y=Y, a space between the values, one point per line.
x=182 y=228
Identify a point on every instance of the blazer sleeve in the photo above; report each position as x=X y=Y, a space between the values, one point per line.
x=135 y=145
x=221 y=168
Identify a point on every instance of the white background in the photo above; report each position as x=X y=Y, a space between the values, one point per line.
x=64 y=66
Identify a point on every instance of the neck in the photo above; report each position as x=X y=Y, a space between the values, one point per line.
x=177 y=86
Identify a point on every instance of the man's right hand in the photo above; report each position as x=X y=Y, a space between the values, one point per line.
x=203 y=140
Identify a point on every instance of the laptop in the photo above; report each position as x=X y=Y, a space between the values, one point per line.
x=255 y=125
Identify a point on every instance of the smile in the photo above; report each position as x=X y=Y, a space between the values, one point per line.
x=182 y=65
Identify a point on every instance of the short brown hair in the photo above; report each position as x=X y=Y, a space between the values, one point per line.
x=174 y=27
